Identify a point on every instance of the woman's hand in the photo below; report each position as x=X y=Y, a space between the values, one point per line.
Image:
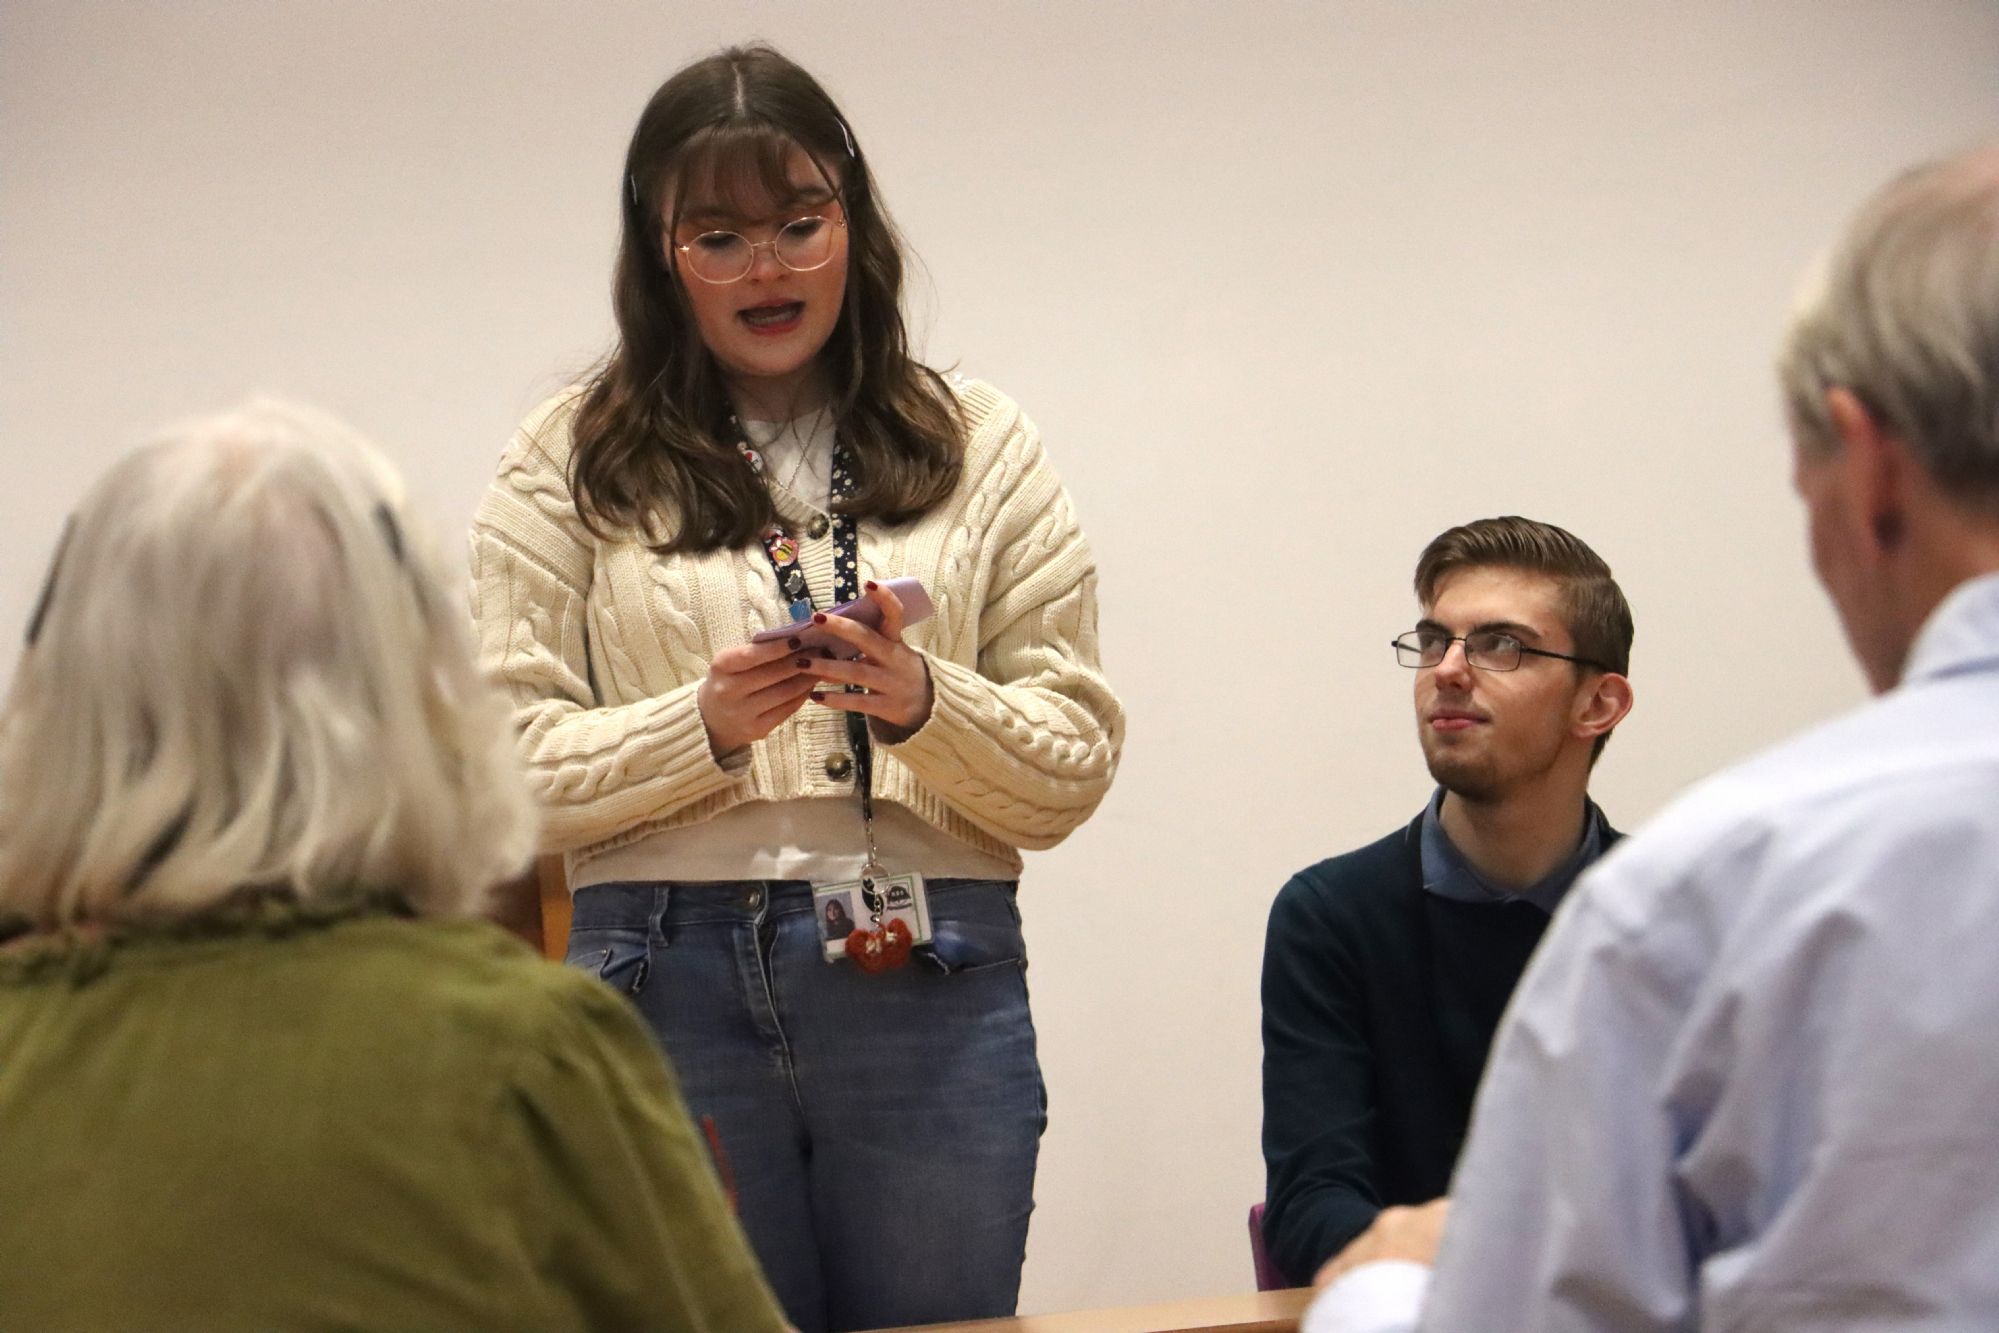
x=749 y=690
x=895 y=676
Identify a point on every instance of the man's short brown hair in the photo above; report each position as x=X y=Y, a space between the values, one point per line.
x=1599 y=619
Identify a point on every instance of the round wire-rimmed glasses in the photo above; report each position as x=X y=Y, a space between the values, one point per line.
x=801 y=245
x=1486 y=649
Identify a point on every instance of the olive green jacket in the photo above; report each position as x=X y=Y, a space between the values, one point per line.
x=345 y=1119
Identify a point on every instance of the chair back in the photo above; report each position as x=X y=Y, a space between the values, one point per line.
x=1267 y=1276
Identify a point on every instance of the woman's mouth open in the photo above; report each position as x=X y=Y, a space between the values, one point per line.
x=773 y=317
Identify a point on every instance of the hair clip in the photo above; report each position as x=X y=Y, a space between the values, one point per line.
x=41 y=611
x=158 y=851
x=846 y=136
x=392 y=533
x=633 y=181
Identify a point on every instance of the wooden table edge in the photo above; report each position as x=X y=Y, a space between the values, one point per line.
x=1257 y=1312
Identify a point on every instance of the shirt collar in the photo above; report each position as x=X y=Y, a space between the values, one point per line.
x=1961 y=635
x=1448 y=874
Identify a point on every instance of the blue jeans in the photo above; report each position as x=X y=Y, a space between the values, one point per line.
x=881 y=1130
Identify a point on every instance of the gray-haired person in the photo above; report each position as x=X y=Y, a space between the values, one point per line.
x=1748 y=1080
x=260 y=1066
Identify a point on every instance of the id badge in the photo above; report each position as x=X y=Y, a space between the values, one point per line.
x=850 y=905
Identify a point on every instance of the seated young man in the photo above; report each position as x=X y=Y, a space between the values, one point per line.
x=1385 y=970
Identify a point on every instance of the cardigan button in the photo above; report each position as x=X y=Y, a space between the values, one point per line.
x=817 y=527
x=839 y=767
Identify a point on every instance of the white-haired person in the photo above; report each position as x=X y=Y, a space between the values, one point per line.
x=261 y=1064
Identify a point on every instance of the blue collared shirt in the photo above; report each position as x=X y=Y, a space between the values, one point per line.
x=1448 y=874
x=1750 y=1078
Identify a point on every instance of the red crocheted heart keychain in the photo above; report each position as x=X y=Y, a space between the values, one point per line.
x=880 y=950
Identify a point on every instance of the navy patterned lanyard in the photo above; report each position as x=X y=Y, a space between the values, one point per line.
x=781 y=548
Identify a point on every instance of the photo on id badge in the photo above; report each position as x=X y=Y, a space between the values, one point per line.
x=850 y=905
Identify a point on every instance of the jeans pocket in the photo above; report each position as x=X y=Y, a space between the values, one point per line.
x=977 y=940
x=617 y=957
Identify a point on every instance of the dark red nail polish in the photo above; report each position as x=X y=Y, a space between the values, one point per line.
x=872 y=585
x=804 y=662
x=794 y=643
x=818 y=698
x=818 y=617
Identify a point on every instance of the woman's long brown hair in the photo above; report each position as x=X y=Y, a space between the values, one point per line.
x=653 y=451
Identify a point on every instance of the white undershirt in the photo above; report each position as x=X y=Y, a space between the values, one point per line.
x=798 y=454
x=806 y=838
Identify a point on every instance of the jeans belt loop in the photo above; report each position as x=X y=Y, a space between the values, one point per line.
x=657 y=935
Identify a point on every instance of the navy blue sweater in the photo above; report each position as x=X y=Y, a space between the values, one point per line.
x=1379 y=1005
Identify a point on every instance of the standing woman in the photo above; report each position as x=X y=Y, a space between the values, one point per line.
x=758 y=447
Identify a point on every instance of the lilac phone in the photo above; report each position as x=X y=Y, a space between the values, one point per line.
x=915 y=606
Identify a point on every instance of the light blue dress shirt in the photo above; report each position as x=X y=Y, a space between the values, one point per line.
x=1751 y=1079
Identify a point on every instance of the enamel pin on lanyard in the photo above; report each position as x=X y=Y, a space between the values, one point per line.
x=895 y=907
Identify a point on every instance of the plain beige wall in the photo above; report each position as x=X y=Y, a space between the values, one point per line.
x=1288 y=287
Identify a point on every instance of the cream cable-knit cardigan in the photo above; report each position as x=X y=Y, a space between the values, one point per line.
x=603 y=644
